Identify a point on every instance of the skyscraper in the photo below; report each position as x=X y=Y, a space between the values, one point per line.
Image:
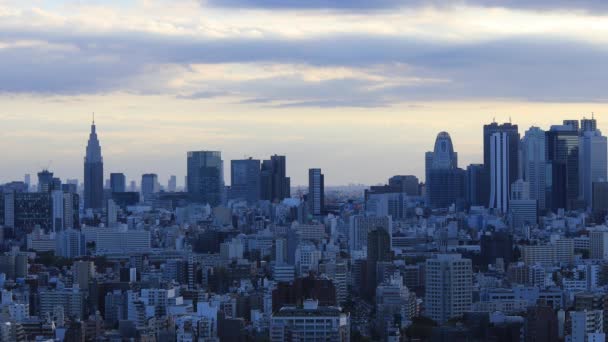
x=172 y=184
x=378 y=250
x=274 y=182
x=512 y=155
x=245 y=180
x=562 y=152
x=448 y=287
x=593 y=163
x=93 y=172
x=500 y=168
x=45 y=181
x=118 y=182
x=316 y=191
x=149 y=185
x=206 y=176
x=445 y=184
x=534 y=164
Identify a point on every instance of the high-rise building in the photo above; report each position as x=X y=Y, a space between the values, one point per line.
x=588 y=125
x=149 y=185
x=360 y=226
x=474 y=185
x=93 y=172
x=448 y=287
x=118 y=182
x=206 y=176
x=83 y=272
x=600 y=200
x=45 y=181
x=598 y=242
x=27 y=179
x=275 y=185
x=593 y=163
x=378 y=250
x=316 y=191
x=500 y=169
x=563 y=151
x=407 y=184
x=534 y=164
x=511 y=151
x=445 y=183
x=172 y=184
x=523 y=209
x=245 y=180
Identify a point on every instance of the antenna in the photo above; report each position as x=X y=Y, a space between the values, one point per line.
x=93 y=118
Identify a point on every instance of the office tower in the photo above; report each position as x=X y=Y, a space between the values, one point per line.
x=275 y=185
x=83 y=272
x=70 y=243
x=512 y=155
x=378 y=250
x=474 y=185
x=360 y=226
x=245 y=180
x=445 y=184
x=448 y=287
x=118 y=182
x=407 y=184
x=58 y=205
x=523 y=209
x=496 y=245
x=149 y=185
x=588 y=125
x=534 y=164
x=298 y=324
x=593 y=163
x=600 y=201
x=45 y=181
x=562 y=150
x=598 y=244
x=500 y=168
x=111 y=213
x=27 y=179
x=27 y=210
x=133 y=186
x=109 y=241
x=71 y=210
x=206 y=176
x=14 y=265
x=172 y=184
x=93 y=173
x=316 y=191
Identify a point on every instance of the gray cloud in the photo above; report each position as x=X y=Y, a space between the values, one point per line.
x=530 y=68
x=366 y=5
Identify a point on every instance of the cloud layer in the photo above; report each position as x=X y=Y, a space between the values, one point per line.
x=358 y=63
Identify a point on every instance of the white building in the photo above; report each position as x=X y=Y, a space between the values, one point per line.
x=587 y=326
x=110 y=241
x=311 y=323
x=448 y=287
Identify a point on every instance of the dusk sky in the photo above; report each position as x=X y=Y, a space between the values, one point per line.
x=358 y=88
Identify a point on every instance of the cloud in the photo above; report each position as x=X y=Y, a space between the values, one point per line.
x=356 y=69
x=365 y=5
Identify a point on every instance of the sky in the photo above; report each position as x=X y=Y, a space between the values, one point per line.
x=358 y=88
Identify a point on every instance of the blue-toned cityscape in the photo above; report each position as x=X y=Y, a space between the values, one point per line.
x=514 y=249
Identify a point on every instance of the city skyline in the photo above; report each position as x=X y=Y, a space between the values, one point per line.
x=468 y=146
x=254 y=78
